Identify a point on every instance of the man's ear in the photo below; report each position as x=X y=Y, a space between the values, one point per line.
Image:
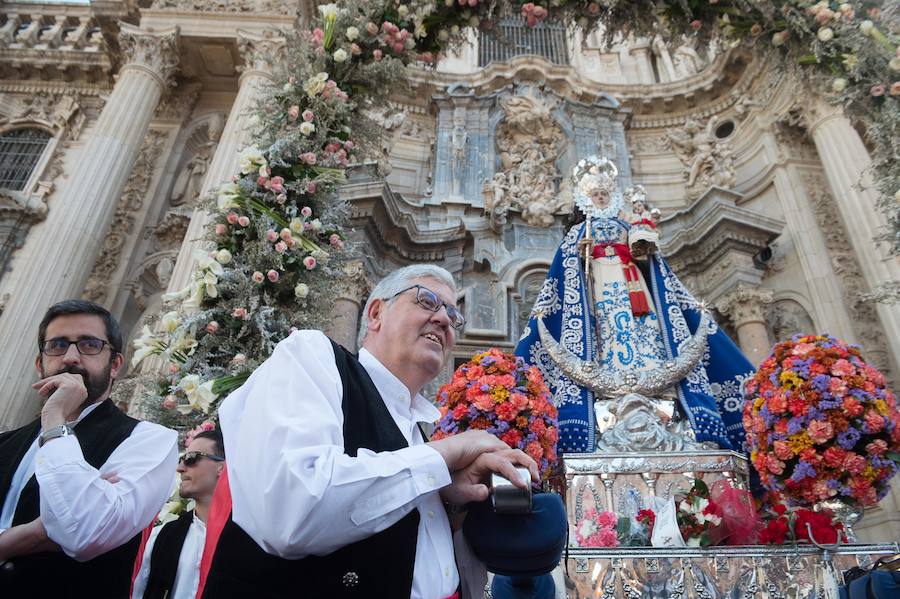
x=38 y=364
x=375 y=314
x=117 y=363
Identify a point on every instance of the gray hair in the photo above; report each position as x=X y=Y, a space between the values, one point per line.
x=396 y=282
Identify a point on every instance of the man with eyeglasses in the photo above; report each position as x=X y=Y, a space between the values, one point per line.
x=170 y=560
x=334 y=490
x=79 y=483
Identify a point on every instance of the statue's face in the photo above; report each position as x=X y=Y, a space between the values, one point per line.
x=639 y=206
x=599 y=198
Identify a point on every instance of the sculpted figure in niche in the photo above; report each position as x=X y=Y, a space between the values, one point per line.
x=623 y=330
x=528 y=143
x=709 y=160
x=189 y=183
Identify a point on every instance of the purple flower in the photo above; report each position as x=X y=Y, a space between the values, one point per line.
x=848 y=438
x=821 y=382
x=794 y=425
x=802 y=470
x=485 y=388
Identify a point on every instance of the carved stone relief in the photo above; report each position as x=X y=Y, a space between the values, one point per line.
x=708 y=160
x=157 y=51
x=280 y=7
x=787 y=318
x=189 y=182
x=529 y=141
x=846 y=267
x=129 y=207
x=529 y=288
x=745 y=304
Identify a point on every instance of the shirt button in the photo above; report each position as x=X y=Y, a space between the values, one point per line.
x=446 y=570
x=430 y=480
x=430 y=513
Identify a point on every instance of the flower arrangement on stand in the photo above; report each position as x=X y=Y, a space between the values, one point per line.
x=501 y=394
x=782 y=524
x=697 y=514
x=821 y=424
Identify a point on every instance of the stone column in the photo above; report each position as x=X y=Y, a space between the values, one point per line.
x=746 y=307
x=61 y=251
x=259 y=53
x=641 y=55
x=348 y=304
x=847 y=166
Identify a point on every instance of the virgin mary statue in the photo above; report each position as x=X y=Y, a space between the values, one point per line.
x=613 y=302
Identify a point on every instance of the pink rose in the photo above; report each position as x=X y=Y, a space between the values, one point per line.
x=208 y=425
x=293 y=112
x=221 y=229
x=271 y=235
x=308 y=157
x=240 y=313
x=309 y=262
x=895 y=88
x=308 y=116
x=174 y=368
x=276 y=184
x=355 y=50
x=377 y=54
x=169 y=402
x=280 y=247
x=262 y=181
x=285 y=234
x=244 y=221
x=280 y=198
x=232 y=218
x=272 y=275
x=349 y=145
x=212 y=327
x=311 y=187
x=306 y=212
x=257 y=277
x=371 y=28
x=696 y=24
x=334 y=238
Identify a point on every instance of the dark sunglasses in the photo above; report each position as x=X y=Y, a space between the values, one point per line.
x=429 y=300
x=87 y=346
x=189 y=458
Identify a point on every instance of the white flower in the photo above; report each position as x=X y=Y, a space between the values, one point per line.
x=251 y=159
x=329 y=11
x=587 y=528
x=315 y=84
x=307 y=128
x=839 y=85
x=866 y=27
x=340 y=55
x=296 y=225
x=895 y=63
x=209 y=284
x=693 y=542
x=170 y=511
x=402 y=10
x=287 y=88
x=185 y=342
x=316 y=224
x=826 y=34
x=170 y=321
x=301 y=290
x=223 y=256
x=228 y=194
x=144 y=346
x=352 y=33
x=199 y=396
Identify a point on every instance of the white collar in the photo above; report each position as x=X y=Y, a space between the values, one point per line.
x=395 y=393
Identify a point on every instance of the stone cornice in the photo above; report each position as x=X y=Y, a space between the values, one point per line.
x=215 y=25
x=388 y=222
x=711 y=227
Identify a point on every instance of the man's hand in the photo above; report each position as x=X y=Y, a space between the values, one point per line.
x=461 y=450
x=471 y=483
x=25 y=539
x=66 y=394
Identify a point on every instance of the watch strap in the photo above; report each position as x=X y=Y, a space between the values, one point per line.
x=63 y=430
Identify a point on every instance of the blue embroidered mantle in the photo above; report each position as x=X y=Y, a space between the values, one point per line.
x=709 y=396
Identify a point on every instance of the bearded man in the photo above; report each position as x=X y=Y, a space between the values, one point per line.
x=79 y=483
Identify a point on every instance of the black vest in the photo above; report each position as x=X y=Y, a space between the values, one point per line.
x=379 y=566
x=54 y=574
x=165 y=556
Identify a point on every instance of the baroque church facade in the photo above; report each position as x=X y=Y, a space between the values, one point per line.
x=117 y=115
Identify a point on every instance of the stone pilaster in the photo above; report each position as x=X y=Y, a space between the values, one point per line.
x=348 y=303
x=747 y=308
x=61 y=251
x=847 y=168
x=260 y=53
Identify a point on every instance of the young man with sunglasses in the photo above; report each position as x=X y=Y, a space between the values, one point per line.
x=79 y=483
x=170 y=560
x=334 y=490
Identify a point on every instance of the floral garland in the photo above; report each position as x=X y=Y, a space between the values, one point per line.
x=821 y=423
x=499 y=393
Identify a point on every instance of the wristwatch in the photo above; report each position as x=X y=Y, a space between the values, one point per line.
x=63 y=430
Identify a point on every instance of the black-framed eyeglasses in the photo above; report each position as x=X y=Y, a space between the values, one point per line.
x=87 y=346
x=189 y=458
x=429 y=300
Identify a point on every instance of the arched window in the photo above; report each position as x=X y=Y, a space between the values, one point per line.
x=20 y=152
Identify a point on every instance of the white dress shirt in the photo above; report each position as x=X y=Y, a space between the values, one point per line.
x=187 y=577
x=83 y=513
x=296 y=492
